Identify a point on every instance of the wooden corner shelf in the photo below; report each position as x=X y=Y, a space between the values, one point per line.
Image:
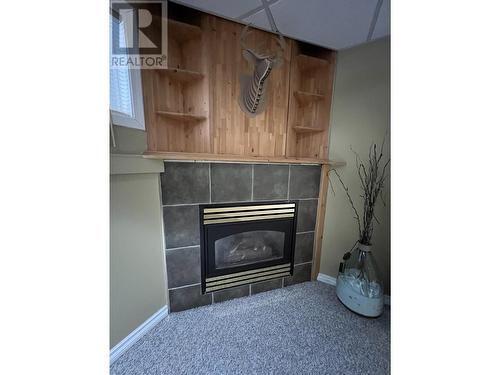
x=311 y=84
x=179 y=116
x=305 y=98
x=306 y=62
x=307 y=129
x=183 y=32
x=182 y=75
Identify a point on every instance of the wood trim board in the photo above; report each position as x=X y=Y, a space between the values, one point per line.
x=320 y=221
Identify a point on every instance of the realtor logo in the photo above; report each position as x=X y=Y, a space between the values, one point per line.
x=137 y=34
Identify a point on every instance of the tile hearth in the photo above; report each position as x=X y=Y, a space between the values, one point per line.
x=186 y=185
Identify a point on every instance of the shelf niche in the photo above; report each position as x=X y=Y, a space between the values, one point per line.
x=177 y=97
x=306 y=62
x=311 y=82
x=182 y=75
x=306 y=98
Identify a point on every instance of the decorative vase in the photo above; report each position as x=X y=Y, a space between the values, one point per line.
x=359 y=286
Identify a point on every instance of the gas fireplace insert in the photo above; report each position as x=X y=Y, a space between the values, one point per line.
x=244 y=243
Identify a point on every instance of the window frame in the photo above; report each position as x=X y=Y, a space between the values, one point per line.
x=136 y=121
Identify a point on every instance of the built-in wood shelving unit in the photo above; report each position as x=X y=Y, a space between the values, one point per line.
x=192 y=106
x=188 y=117
x=307 y=129
x=305 y=98
x=182 y=75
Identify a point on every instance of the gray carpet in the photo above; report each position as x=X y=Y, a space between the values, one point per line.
x=301 y=329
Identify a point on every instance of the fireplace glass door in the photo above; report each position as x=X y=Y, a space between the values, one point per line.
x=237 y=247
x=248 y=248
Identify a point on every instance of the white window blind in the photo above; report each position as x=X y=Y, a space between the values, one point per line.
x=120 y=93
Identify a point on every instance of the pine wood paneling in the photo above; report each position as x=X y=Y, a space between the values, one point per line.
x=234 y=132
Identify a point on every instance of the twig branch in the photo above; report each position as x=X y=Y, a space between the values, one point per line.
x=372 y=178
x=350 y=201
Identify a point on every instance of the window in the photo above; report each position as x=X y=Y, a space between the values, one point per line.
x=125 y=89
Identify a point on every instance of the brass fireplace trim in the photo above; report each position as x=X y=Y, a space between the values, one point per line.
x=247 y=281
x=241 y=278
x=248 y=208
x=251 y=272
x=248 y=213
x=249 y=218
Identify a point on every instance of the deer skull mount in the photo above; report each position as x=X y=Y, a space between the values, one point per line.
x=254 y=87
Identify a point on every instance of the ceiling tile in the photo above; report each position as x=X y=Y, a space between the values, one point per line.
x=382 y=27
x=334 y=24
x=259 y=19
x=224 y=8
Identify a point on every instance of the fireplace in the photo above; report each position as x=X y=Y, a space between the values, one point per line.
x=246 y=243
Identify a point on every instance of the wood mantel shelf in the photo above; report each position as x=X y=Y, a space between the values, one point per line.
x=238 y=158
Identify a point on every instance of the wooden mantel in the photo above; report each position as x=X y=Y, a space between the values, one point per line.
x=239 y=158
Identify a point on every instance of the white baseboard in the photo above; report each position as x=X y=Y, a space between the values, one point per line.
x=120 y=348
x=327 y=279
x=333 y=281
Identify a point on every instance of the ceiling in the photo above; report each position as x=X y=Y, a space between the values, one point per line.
x=335 y=24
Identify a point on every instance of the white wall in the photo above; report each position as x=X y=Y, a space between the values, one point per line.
x=360 y=116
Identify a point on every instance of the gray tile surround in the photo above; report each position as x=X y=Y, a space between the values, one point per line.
x=231 y=182
x=304 y=181
x=236 y=292
x=304 y=243
x=186 y=185
x=181 y=226
x=267 y=285
x=183 y=266
x=306 y=220
x=188 y=298
x=301 y=273
x=270 y=181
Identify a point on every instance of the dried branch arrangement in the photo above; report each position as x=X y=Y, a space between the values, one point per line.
x=372 y=175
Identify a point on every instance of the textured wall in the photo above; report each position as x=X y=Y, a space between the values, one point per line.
x=186 y=185
x=137 y=267
x=360 y=116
